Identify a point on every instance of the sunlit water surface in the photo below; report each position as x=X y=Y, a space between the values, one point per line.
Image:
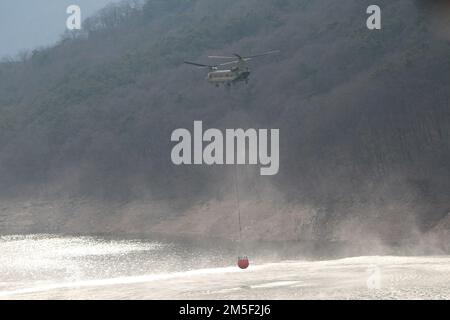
x=55 y=267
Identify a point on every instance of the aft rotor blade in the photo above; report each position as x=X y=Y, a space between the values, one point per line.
x=221 y=57
x=199 y=65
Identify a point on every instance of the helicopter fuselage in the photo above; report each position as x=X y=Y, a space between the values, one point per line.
x=227 y=76
x=238 y=72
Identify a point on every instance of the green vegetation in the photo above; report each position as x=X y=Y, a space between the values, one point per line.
x=363 y=115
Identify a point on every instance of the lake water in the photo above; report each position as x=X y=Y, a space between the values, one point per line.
x=56 y=267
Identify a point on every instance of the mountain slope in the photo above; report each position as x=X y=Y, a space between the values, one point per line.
x=363 y=118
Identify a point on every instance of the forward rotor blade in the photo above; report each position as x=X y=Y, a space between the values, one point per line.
x=230 y=62
x=262 y=54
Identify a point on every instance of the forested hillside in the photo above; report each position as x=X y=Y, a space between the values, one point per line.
x=364 y=119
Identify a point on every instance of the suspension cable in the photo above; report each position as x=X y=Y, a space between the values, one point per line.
x=238 y=204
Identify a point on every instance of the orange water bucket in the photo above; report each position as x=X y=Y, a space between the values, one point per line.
x=243 y=262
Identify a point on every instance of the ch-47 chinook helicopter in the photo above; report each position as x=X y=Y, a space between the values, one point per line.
x=238 y=72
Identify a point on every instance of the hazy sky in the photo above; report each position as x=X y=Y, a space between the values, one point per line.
x=26 y=24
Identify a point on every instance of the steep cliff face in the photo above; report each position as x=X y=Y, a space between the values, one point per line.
x=363 y=118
